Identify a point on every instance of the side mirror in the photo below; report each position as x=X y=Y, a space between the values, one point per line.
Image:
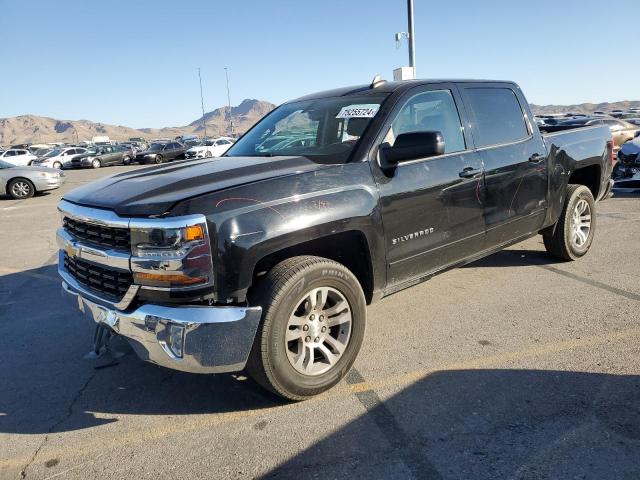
x=412 y=146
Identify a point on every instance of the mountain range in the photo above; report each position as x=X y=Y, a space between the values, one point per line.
x=36 y=129
x=585 y=108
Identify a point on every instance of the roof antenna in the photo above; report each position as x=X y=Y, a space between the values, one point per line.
x=377 y=81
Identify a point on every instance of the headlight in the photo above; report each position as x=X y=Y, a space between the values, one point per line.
x=172 y=256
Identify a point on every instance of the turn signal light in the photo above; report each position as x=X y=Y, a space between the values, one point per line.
x=194 y=232
x=172 y=279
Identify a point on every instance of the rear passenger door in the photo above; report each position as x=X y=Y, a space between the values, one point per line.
x=431 y=207
x=514 y=159
x=171 y=151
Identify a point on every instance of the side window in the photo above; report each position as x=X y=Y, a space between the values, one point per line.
x=21 y=152
x=430 y=111
x=10 y=153
x=498 y=116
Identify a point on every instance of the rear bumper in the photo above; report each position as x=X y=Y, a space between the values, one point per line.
x=214 y=339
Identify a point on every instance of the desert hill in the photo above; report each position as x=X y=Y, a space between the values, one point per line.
x=36 y=129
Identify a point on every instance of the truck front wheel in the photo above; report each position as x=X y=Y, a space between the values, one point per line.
x=571 y=237
x=313 y=324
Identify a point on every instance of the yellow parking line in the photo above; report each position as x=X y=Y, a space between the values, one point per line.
x=500 y=358
x=100 y=444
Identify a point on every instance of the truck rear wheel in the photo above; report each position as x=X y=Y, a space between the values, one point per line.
x=571 y=237
x=313 y=324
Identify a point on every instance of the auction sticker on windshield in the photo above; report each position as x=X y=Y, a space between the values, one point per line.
x=359 y=111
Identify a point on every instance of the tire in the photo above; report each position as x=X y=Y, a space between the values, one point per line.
x=158 y=159
x=563 y=240
x=20 y=188
x=208 y=154
x=57 y=165
x=285 y=294
x=95 y=163
x=126 y=160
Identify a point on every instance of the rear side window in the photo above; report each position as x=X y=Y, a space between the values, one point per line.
x=498 y=116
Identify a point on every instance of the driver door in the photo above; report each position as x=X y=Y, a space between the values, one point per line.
x=432 y=208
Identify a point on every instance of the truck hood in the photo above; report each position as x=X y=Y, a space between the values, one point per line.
x=154 y=190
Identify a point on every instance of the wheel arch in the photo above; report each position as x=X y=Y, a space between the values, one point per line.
x=589 y=176
x=350 y=248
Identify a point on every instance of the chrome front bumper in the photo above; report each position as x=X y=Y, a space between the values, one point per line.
x=215 y=339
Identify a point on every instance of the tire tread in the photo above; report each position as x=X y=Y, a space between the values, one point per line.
x=269 y=293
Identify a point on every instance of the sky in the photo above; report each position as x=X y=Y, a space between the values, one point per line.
x=135 y=63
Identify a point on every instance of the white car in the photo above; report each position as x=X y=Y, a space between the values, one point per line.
x=18 y=157
x=210 y=148
x=59 y=157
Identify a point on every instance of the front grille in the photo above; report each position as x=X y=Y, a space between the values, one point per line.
x=107 y=282
x=190 y=154
x=113 y=237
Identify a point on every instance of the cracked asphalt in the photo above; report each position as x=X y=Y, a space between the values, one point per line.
x=514 y=367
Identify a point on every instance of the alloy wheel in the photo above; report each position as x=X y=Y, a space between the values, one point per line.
x=21 y=189
x=581 y=224
x=318 y=331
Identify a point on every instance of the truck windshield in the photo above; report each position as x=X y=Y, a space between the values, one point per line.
x=325 y=129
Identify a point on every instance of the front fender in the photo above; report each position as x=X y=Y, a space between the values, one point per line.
x=250 y=222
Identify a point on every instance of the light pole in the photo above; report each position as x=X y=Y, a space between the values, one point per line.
x=407 y=73
x=226 y=72
x=204 y=122
x=412 y=37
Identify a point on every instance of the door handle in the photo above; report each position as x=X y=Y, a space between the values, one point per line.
x=469 y=172
x=536 y=158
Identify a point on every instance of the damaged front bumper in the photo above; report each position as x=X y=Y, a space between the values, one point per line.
x=197 y=339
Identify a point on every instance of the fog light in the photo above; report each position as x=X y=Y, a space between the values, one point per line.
x=175 y=339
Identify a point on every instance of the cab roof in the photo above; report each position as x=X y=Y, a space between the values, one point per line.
x=387 y=87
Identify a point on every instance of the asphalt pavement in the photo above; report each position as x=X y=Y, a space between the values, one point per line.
x=515 y=367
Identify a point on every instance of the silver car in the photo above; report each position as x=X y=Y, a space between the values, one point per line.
x=24 y=182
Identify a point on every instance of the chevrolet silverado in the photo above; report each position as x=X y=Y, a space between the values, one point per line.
x=266 y=258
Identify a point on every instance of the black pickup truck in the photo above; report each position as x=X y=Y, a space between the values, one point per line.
x=267 y=257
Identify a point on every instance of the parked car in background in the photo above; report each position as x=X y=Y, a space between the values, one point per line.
x=39 y=146
x=59 y=157
x=161 y=152
x=41 y=152
x=626 y=172
x=23 y=182
x=630 y=152
x=634 y=121
x=103 y=156
x=621 y=130
x=18 y=156
x=101 y=140
x=210 y=148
